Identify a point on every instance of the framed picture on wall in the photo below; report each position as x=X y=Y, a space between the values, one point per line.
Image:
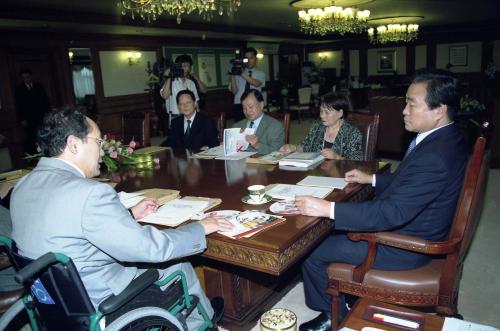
x=458 y=55
x=386 y=61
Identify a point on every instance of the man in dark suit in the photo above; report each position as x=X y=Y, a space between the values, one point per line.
x=419 y=199
x=32 y=104
x=193 y=130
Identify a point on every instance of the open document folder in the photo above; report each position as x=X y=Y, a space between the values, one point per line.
x=176 y=212
x=163 y=195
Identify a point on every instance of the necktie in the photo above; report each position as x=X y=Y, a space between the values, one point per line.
x=411 y=147
x=188 y=130
x=247 y=84
x=251 y=124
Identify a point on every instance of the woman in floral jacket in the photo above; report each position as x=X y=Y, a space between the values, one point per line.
x=332 y=136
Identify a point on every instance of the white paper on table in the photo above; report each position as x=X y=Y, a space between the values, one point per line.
x=176 y=212
x=287 y=191
x=319 y=181
x=130 y=199
x=211 y=152
x=453 y=324
x=236 y=156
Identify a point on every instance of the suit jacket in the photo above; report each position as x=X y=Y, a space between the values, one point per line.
x=32 y=104
x=56 y=209
x=203 y=133
x=270 y=132
x=420 y=198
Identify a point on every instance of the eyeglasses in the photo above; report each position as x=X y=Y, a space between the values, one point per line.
x=99 y=141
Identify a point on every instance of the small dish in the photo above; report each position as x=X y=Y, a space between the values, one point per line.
x=265 y=199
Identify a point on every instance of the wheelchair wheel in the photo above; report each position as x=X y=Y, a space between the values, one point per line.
x=146 y=319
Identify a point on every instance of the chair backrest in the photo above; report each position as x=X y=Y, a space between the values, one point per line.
x=304 y=94
x=58 y=294
x=285 y=118
x=315 y=89
x=136 y=125
x=221 y=125
x=264 y=96
x=466 y=218
x=367 y=124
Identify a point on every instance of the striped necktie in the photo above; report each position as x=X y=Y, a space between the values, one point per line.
x=411 y=147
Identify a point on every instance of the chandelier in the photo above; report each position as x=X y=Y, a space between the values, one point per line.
x=150 y=10
x=393 y=33
x=330 y=19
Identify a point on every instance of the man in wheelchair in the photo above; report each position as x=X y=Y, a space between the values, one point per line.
x=58 y=208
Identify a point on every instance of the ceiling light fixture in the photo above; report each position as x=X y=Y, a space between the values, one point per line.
x=393 y=33
x=322 y=21
x=150 y=10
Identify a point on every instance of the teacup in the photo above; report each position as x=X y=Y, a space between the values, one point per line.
x=256 y=192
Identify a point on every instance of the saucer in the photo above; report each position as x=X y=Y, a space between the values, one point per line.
x=265 y=199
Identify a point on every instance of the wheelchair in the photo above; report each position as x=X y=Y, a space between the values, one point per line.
x=57 y=300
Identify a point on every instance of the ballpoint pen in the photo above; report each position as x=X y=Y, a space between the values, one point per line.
x=395 y=320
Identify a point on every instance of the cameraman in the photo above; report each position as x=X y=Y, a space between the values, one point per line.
x=178 y=78
x=250 y=78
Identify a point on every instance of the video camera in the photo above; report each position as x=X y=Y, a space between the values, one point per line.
x=163 y=64
x=238 y=64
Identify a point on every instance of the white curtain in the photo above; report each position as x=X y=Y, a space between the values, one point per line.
x=83 y=82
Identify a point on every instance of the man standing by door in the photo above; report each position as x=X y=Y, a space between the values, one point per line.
x=32 y=104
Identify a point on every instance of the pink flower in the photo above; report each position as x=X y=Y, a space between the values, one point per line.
x=113 y=154
x=105 y=137
x=111 y=149
x=132 y=144
x=130 y=150
x=156 y=160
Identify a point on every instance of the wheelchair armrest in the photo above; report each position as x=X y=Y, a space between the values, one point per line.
x=135 y=287
x=35 y=267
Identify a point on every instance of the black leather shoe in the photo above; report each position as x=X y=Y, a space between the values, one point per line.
x=322 y=322
x=217 y=304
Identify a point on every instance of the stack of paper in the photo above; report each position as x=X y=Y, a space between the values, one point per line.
x=301 y=160
x=329 y=182
x=288 y=192
x=150 y=150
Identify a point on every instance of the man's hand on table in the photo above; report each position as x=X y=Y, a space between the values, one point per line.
x=213 y=224
x=312 y=206
x=358 y=176
x=144 y=208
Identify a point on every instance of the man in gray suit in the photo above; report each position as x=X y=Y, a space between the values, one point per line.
x=58 y=208
x=270 y=133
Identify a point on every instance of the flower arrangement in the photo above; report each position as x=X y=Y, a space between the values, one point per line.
x=116 y=153
x=470 y=106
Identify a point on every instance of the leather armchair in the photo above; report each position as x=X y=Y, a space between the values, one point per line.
x=433 y=285
x=367 y=124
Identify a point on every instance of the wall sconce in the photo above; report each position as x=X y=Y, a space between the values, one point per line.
x=260 y=56
x=322 y=56
x=70 y=56
x=133 y=57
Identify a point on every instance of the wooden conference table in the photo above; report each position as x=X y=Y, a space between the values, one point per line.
x=246 y=272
